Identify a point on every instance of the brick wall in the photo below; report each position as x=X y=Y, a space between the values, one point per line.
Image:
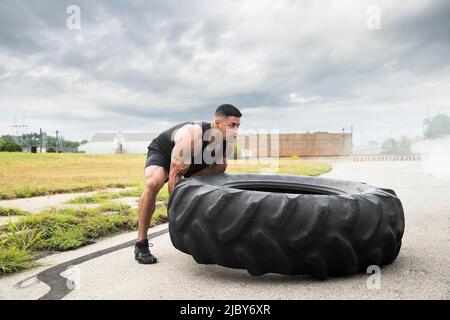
x=296 y=144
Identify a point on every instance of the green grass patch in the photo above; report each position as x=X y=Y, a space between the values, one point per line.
x=129 y=193
x=86 y=199
x=163 y=194
x=13 y=259
x=117 y=207
x=281 y=166
x=65 y=229
x=12 y=212
x=102 y=197
x=29 y=191
x=159 y=216
x=16 y=246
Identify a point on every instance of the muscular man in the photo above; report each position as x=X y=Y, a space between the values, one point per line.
x=187 y=149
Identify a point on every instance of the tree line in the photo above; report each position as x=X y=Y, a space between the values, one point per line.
x=434 y=128
x=28 y=140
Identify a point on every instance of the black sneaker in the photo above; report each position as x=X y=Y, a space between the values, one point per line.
x=142 y=253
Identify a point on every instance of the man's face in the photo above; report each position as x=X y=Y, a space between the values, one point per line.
x=228 y=127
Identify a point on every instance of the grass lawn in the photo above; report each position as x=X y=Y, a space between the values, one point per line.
x=24 y=175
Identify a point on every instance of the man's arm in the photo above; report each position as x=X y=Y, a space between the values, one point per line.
x=176 y=172
x=187 y=139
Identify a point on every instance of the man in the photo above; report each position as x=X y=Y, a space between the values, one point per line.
x=180 y=151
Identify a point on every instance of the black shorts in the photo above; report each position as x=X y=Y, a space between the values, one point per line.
x=158 y=159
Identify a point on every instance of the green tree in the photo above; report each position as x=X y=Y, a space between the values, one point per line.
x=404 y=145
x=49 y=142
x=389 y=146
x=392 y=146
x=30 y=139
x=437 y=127
x=70 y=144
x=10 y=146
x=8 y=138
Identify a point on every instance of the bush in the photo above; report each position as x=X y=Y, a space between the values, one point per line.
x=12 y=212
x=51 y=150
x=10 y=146
x=437 y=127
x=392 y=146
x=13 y=259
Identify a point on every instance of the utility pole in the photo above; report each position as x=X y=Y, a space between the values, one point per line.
x=17 y=127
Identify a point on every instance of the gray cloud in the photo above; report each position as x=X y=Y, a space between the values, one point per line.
x=288 y=65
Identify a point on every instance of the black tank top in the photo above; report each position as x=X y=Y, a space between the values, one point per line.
x=164 y=144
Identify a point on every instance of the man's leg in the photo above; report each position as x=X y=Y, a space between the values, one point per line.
x=155 y=177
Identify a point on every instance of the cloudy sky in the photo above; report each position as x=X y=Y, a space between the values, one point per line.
x=295 y=66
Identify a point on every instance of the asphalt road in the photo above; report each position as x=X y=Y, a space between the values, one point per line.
x=421 y=270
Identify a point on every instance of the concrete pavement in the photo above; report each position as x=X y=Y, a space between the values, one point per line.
x=420 y=272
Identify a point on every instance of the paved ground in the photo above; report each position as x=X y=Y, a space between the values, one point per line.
x=420 y=272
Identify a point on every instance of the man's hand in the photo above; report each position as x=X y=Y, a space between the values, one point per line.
x=215 y=168
x=212 y=169
x=176 y=172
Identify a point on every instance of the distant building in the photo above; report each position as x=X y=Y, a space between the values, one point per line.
x=248 y=145
x=317 y=144
x=118 y=143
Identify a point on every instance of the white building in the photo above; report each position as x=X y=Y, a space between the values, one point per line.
x=119 y=143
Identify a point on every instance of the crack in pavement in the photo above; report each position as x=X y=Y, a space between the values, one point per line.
x=58 y=284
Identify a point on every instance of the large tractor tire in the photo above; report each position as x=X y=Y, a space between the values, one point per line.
x=286 y=224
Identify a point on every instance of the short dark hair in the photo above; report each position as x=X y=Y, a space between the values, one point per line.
x=228 y=110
